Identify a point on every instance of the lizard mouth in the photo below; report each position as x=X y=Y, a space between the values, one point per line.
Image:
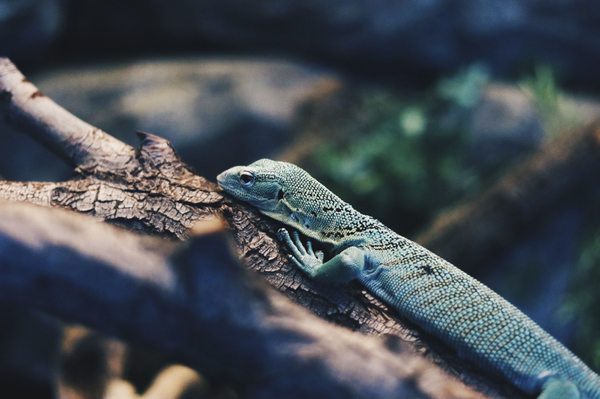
x=227 y=181
x=221 y=179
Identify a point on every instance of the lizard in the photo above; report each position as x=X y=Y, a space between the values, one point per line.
x=435 y=295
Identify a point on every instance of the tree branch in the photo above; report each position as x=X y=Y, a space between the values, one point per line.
x=83 y=145
x=199 y=306
x=493 y=220
x=160 y=195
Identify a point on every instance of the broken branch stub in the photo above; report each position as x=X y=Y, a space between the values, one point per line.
x=155 y=192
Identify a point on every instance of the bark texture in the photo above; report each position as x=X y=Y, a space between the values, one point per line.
x=198 y=306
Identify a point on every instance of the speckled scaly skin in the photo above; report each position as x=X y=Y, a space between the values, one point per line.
x=434 y=294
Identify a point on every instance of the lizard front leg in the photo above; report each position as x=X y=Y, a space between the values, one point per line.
x=343 y=267
x=556 y=388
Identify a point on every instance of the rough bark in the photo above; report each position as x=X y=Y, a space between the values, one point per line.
x=152 y=191
x=201 y=307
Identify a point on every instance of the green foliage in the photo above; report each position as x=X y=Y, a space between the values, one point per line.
x=542 y=86
x=464 y=89
x=557 y=113
x=403 y=158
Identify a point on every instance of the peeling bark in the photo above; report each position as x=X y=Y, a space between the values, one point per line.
x=150 y=190
x=159 y=195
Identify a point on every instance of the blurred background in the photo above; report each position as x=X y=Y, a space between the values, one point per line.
x=405 y=109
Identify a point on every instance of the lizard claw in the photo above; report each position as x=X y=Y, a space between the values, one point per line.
x=298 y=243
x=305 y=258
x=309 y=248
x=319 y=255
x=282 y=233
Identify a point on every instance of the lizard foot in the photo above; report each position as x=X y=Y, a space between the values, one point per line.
x=304 y=257
x=559 y=389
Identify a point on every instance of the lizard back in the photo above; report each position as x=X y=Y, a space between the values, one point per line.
x=438 y=297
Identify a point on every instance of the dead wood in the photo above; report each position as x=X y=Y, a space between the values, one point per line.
x=199 y=306
x=150 y=190
x=85 y=146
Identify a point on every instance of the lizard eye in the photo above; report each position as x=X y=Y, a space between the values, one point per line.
x=247 y=179
x=280 y=194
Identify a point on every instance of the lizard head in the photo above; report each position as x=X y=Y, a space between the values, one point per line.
x=280 y=190
x=287 y=193
x=262 y=184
